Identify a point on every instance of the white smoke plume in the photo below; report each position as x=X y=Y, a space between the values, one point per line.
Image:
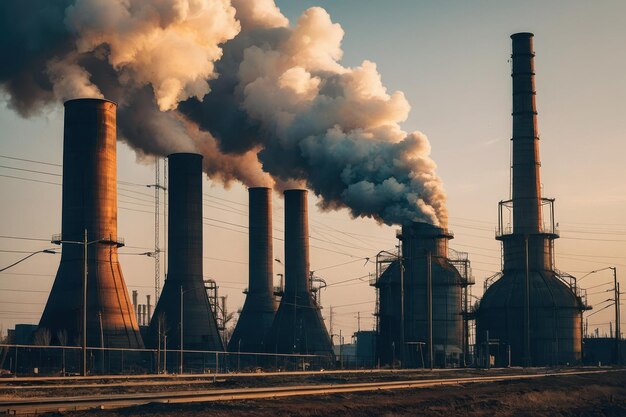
x=263 y=101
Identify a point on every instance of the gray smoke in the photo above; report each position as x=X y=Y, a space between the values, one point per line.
x=266 y=103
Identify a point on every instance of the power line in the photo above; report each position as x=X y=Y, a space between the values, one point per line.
x=29 y=160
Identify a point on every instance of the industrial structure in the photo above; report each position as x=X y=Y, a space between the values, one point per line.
x=259 y=308
x=89 y=296
x=531 y=313
x=183 y=312
x=420 y=301
x=298 y=326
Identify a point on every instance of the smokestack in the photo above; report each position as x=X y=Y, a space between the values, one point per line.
x=184 y=277
x=135 y=299
x=530 y=307
x=298 y=326
x=259 y=309
x=525 y=169
x=90 y=204
x=297 y=269
x=149 y=307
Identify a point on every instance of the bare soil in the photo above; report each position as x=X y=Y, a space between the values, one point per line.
x=563 y=395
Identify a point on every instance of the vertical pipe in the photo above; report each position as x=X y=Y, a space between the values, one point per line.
x=181 y=331
x=84 y=368
x=527 y=360
x=402 y=299
x=617 y=318
x=429 y=304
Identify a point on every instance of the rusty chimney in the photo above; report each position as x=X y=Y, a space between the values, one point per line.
x=90 y=211
x=298 y=326
x=259 y=308
x=184 y=283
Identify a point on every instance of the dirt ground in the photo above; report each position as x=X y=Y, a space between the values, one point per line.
x=565 y=395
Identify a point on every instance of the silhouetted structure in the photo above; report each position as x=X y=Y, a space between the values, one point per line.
x=298 y=326
x=259 y=308
x=184 y=282
x=90 y=204
x=530 y=307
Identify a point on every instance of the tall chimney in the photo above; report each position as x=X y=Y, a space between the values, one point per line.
x=149 y=307
x=298 y=326
x=297 y=270
x=531 y=308
x=259 y=309
x=184 y=278
x=526 y=165
x=90 y=207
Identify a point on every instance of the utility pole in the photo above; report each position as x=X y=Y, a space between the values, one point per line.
x=157 y=250
x=358 y=321
x=617 y=315
x=527 y=360
x=401 y=259
x=157 y=233
x=429 y=303
x=85 y=243
x=181 y=331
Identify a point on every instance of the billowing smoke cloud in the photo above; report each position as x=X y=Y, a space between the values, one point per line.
x=265 y=102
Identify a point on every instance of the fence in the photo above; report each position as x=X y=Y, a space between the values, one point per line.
x=24 y=360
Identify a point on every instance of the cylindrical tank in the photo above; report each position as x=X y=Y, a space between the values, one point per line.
x=90 y=205
x=259 y=308
x=298 y=326
x=184 y=283
x=425 y=252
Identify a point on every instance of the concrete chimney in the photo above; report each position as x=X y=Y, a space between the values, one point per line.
x=259 y=308
x=184 y=278
x=90 y=211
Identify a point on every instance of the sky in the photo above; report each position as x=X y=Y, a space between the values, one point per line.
x=451 y=60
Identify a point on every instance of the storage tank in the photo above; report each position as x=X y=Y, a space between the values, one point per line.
x=533 y=310
x=89 y=212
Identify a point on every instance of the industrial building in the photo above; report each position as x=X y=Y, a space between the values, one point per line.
x=531 y=313
x=183 y=312
x=298 y=326
x=259 y=308
x=421 y=300
x=89 y=237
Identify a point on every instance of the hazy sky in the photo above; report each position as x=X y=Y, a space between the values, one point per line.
x=450 y=58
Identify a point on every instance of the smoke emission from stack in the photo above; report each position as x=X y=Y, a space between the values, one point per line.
x=265 y=102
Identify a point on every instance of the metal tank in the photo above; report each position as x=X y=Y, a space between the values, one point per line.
x=89 y=213
x=184 y=285
x=431 y=323
x=388 y=315
x=433 y=286
x=259 y=308
x=530 y=313
x=298 y=326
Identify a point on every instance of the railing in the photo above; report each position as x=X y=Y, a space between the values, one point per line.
x=505 y=218
x=22 y=360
